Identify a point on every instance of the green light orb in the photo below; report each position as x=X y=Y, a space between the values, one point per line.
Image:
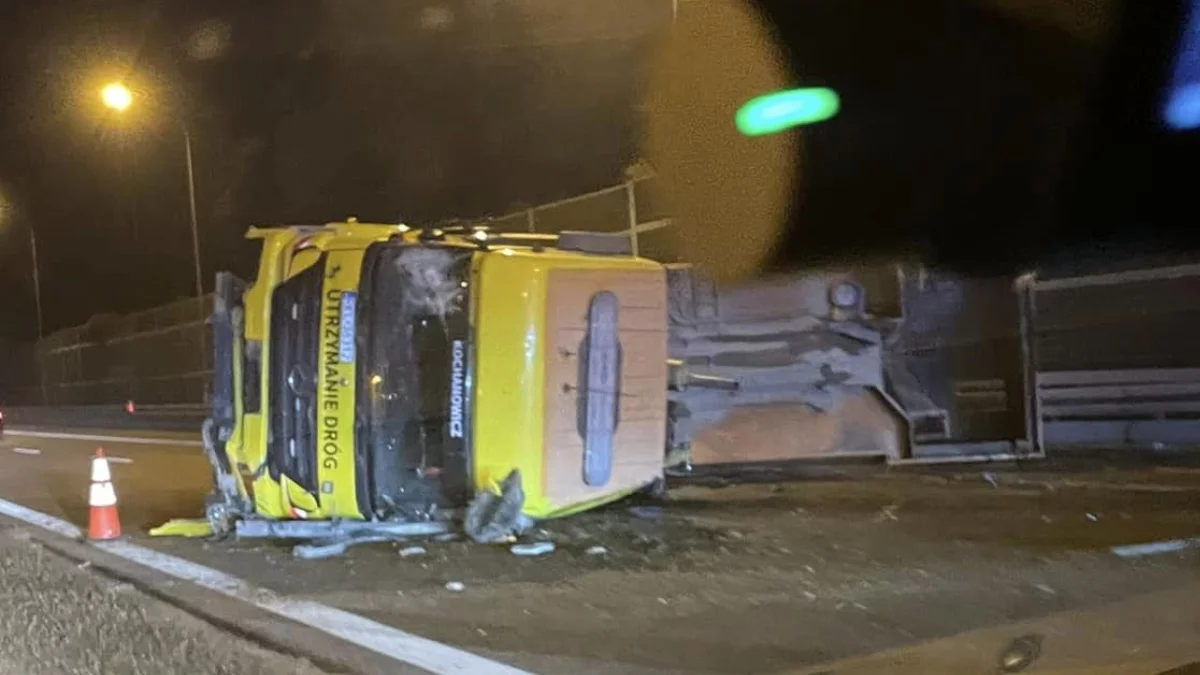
x=782 y=110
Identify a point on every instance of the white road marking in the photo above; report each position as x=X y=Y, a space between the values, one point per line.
x=27 y=451
x=394 y=643
x=142 y=440
x=40 y=519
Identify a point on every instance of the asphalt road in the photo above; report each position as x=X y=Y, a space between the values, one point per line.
x=163 y=478
x=183 y=418
x=752 y=578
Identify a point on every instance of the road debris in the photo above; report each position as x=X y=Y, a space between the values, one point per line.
x=330 y=548
x=27 y=451
x=596 y=550
x=183 y=527
x=1045 y=589
x=533 y=549
x=455 y=586
x=1021 y=653
x=412 y=551
x=1092 y=517
x=887 y=513
x=1155 y=548
x=990 y=478
x=495 y=517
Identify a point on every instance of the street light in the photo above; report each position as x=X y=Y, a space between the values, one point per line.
x=118 y=97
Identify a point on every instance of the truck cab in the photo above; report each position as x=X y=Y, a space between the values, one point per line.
x=376 y=372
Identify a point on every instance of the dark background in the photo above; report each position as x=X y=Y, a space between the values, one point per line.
x=997 y=142
x=315 y=110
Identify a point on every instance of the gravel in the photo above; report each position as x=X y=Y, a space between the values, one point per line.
x=60 y=618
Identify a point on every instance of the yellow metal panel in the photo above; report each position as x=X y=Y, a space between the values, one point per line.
x=269 y=498
x=361 y=235
x=303 y=260
x=335 y=391
x=235 y=444
x=251 y=425
x=270 y=273
x=183 y=527
x=510 y=398
x=507 y=419
x=298 y=497
x=267 y=494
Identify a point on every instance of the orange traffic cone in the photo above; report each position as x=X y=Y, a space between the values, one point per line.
x=103 y=522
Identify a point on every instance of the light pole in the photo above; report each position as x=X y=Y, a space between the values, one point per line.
x=118 y=97
x=37 y=303
x=5 y=217
x=191 y=177
x=37 y=279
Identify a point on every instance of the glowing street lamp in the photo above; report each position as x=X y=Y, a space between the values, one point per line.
x=116 y=96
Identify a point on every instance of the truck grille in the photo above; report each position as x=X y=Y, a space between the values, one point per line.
x=292 y=372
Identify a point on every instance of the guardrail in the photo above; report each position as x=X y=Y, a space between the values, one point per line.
x=1148 y=406
x=632 y=208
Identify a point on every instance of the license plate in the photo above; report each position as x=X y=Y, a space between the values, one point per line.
x=346 y=339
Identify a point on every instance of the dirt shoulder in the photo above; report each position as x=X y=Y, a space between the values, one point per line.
x=59 y=618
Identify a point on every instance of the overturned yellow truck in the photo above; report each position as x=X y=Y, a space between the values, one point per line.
x=377 y=373
x=379 y=380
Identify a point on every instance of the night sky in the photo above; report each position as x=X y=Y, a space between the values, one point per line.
x=301 y=111
x=306 y=111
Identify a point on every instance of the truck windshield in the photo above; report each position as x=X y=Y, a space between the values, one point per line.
x=413 y=379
